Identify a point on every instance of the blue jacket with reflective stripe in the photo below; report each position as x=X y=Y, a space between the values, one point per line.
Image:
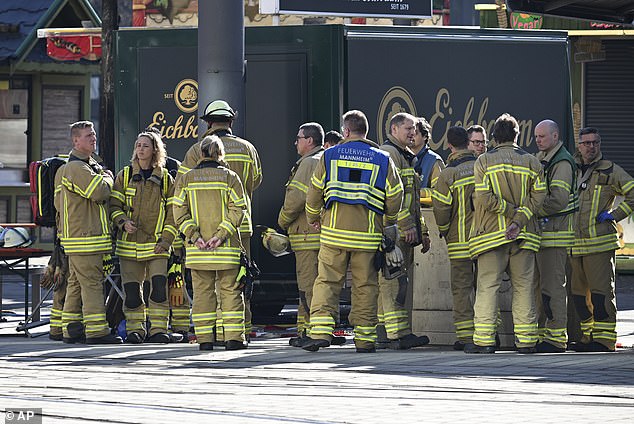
x=356 y=175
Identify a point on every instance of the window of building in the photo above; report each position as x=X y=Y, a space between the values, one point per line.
x=14 y=113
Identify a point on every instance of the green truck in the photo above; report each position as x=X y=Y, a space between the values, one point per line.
x=295 y=74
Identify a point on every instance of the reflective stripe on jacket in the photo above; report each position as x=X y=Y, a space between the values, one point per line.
x=146 y=203
x=209 y=202
x=241 y=157
x=452 y=203
x=354 y=226
x=598 y=188
x=509 y=187
x=555 y=215
x=410 y=215
x=292 y=216
x=83 y=200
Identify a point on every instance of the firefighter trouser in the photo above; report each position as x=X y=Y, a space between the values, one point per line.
x=595 y=273
x=84 y=295
x=391 y=314
x=333 y=263
x=519 y=264
x=462 y=290
x=205 y=304
x=180 y=321
x=133 y=276
x=59 y=294
x=306 y=264
x=246 y=243
x=552 y=298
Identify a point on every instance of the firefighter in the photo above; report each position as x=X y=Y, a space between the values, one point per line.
x=242 y=158
x=209 y=206
x=428 y=163
x=509 y=190
x=393 y=316
x=292 y=219
x=354 y=186
x=477 y=139
x=85 y=236
x=454 y=214
x=599 y=182
x=557 y=235
x=141 y=211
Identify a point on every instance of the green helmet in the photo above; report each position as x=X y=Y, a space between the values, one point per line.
x=219 y=108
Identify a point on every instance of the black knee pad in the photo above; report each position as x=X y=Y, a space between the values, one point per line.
x=132 y=295
x=159 y=289
x=598 y=302
x=546 y=303
x=581 y=307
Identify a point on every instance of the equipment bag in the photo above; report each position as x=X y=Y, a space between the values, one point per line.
x=42 y=184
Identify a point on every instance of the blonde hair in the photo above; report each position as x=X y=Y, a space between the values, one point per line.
x=160 y=154
x=212 y=147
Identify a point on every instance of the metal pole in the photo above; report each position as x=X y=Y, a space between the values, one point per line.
x=221 y=66
x=109 y=24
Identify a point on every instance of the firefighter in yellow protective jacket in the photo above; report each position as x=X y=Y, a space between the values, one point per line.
x=509 y=190
x=393 y=315
x=555 y=218
x=453 y=211
x=292 y=219
x=355 y=185
x=85 y=236
x=242 y=158
x=209 y=206
x=599 y=181
x=140 y=208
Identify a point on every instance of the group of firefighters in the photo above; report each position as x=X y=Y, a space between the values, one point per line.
x=351 y=207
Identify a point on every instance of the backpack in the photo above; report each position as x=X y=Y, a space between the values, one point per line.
x=42 y=184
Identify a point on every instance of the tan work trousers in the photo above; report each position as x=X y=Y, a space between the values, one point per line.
x=390 y=313
x=333 y=264
x=246 y=243
x=595 y=273
x=519 y=264
x=552 y=298
x=85 y=296
x=205 y=305
x=59 y=295
x=136 y=273
x=306 y=268
x=463 y=291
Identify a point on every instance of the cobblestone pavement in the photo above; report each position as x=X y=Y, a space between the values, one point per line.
x=273 y=382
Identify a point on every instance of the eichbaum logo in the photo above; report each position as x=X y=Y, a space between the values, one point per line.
x=395 y=100
x=186 y=95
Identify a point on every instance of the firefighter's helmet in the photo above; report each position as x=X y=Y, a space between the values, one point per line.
x=219 y=108
x=15 y=237
x=277 y=244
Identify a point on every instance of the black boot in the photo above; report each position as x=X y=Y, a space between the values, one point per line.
x=206 y=346
x=134 y=338
x=298 y=341
x=408 y=342
x=474 y=348
x=162 y=338
x=235 y=345
x=107 y=339
x=545 y=347
x=314 y=344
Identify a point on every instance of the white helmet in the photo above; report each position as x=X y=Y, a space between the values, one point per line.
x=277 y=244
x=15 y=237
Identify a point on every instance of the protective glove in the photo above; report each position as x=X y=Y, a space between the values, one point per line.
x=394 y=258
x=393 y=254
x=108 y=264
x=605 y=216
x=176 y=296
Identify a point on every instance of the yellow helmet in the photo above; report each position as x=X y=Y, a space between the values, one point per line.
x=277 y=244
